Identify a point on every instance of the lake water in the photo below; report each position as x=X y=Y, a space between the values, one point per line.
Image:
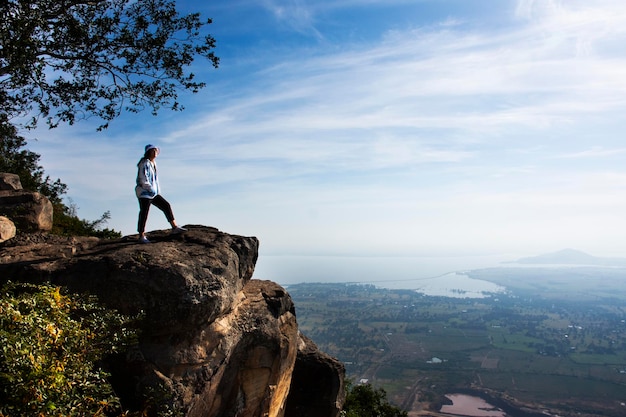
x=466 y=405
x=437 y=276
x=458 y=285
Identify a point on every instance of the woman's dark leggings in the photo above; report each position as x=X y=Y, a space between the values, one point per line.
x=144 y=208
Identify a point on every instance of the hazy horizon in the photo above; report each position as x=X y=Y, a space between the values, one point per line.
x=397 y=272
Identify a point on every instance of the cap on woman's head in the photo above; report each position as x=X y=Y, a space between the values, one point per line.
x=148 y=147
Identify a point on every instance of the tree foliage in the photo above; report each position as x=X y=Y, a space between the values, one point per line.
x=67 y=223
x=365 y=401
x=51 y=345
x=71 y=59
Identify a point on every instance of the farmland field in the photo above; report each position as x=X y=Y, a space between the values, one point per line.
x=540 y=352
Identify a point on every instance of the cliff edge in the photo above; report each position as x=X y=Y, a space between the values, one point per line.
x=219 y=342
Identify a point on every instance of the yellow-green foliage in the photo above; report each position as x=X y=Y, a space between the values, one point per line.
x=50 y=347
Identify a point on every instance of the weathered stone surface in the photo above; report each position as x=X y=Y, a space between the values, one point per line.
x=317 y=384
x=30 y=211
x=179 y=282
x=7 y=229
x=10 y=182
x=252 y=364
x=218 y=342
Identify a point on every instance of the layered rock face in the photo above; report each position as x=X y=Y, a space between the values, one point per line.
x=28 y=210
x=218 y=342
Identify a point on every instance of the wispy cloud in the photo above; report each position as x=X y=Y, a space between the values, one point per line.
x=594 y=152
x=449 y=80
x=296 y=14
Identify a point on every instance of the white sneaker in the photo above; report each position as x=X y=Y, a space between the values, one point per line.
x=143 y=239
x=178 y=230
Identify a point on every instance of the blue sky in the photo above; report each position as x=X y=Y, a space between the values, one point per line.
x=383 y=127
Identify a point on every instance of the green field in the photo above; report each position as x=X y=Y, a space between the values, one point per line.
x=547 y=352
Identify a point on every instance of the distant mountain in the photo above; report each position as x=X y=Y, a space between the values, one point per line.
x=571 y=257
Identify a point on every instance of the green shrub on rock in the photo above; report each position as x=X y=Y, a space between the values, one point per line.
x=51 y=345
x=363 y=400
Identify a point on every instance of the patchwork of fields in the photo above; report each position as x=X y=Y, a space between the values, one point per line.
x=545 y=352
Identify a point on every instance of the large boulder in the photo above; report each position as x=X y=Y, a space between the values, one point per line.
x=10 y=182
x=30 y=211
x=218 y=342
x=317 y=383
x=7 y=229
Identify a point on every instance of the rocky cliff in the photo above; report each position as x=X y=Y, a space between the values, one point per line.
x=219 y=342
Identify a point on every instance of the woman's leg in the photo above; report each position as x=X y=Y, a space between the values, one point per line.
x=166 y=208
x=144 y=208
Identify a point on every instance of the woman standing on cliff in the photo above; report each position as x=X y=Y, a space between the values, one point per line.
x=148 y=193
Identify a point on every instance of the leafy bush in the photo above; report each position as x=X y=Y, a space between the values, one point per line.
x=51 y=345
x=365 y=401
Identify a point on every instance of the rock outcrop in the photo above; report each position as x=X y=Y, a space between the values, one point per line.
x=7 y=229
x=10 y=182
x=317 y=383
x=30 y=211
x=219 y=342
